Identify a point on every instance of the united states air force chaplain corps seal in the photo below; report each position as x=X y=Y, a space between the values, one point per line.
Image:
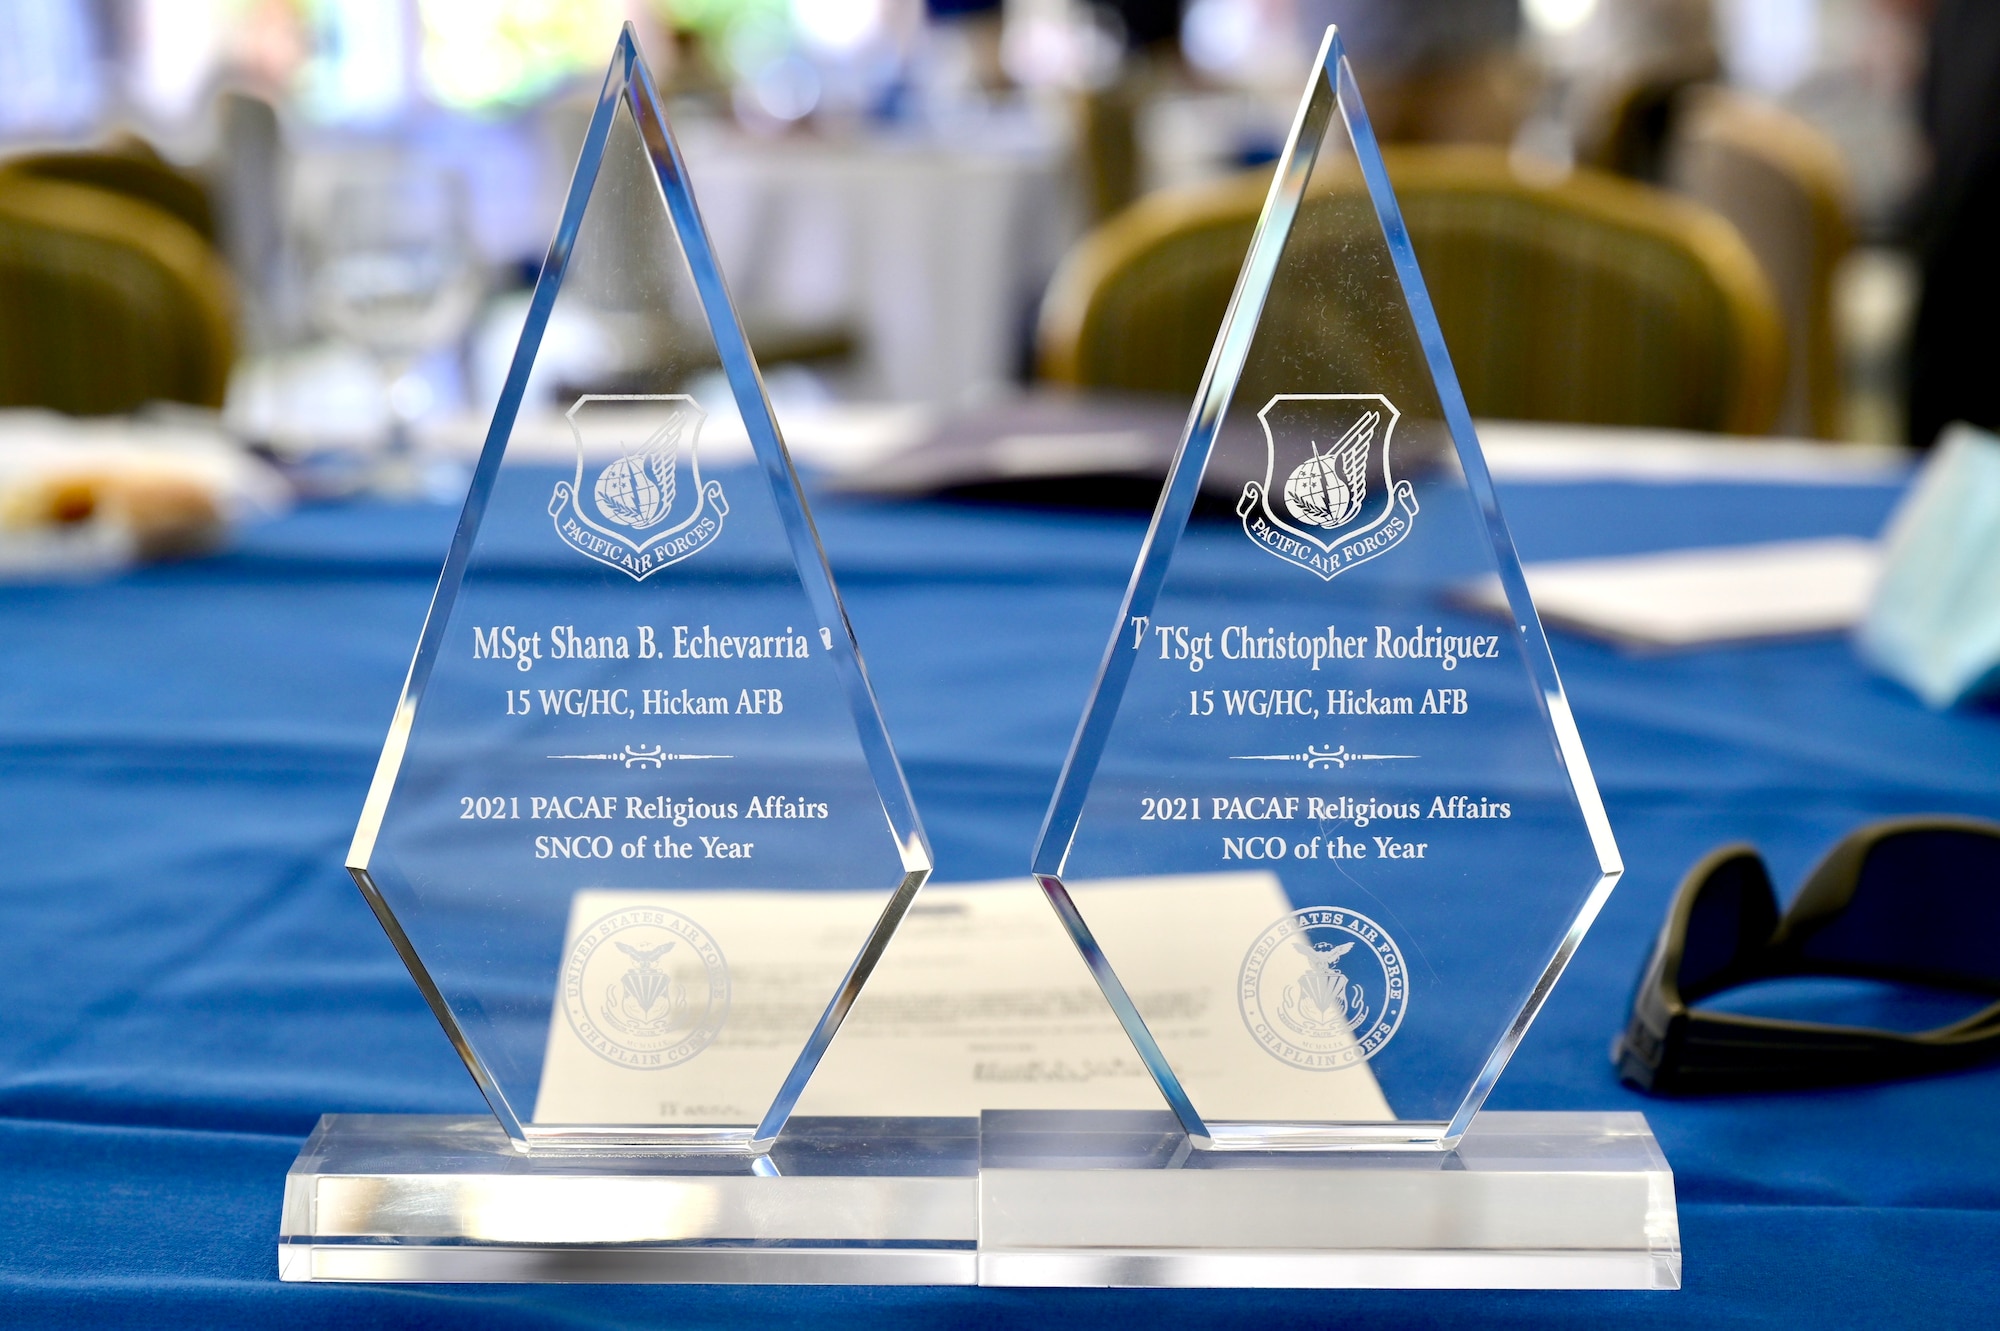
x=645 y=987
x=1327 y=501
x=656 y=436
x=1323 y=988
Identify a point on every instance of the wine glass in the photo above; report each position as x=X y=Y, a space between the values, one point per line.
x=394 y=272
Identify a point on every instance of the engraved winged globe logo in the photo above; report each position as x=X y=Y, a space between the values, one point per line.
x=622 y=519
x=1328 y=506
x=637 y=490
x=1324 y=999
x=646 y=1000
x=1328 y=489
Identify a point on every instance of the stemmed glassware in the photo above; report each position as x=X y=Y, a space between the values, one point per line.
x=394 y=271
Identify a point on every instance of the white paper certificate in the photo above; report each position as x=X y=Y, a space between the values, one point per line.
x=980 y=1002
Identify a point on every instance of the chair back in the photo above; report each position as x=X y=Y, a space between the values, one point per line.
x=1588 y=299
x=1784 y=186
x=106 y=303
x=130 y=167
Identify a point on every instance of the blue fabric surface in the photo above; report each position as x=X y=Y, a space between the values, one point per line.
x=189 y=979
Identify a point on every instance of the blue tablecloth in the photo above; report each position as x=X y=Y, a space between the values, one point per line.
x=188 y=979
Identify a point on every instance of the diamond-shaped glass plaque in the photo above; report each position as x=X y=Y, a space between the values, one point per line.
x=1292 y=689
x=638 y=830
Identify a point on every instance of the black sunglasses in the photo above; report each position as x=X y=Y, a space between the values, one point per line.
x=1910 y=900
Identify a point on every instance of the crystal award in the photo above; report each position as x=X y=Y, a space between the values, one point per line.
x=640 y=837
x=637 y=831
x=1293 y=692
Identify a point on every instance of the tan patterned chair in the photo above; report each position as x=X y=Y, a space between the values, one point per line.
x=1784 y=186
x=126 y=165
x=106 y=302
x=1589 y=299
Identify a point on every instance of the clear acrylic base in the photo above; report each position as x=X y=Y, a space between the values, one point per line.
x=1527 y=1201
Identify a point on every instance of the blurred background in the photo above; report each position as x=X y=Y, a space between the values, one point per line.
x=321 y=218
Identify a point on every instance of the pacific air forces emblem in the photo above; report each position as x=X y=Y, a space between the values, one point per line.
x=1327 y=501
x=626 y=516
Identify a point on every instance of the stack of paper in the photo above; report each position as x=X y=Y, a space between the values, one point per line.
x=1682 y=598
x=980 y=1002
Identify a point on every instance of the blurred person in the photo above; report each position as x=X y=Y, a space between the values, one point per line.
x=1955 y=344
x=1432 y=70
x=1634 y=60
x=1148 y=24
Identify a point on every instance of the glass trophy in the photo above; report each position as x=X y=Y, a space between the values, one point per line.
x=638 y=831
x=1292 y=696
x=639 y=834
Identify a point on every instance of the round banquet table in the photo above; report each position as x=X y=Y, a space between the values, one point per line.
x=189 y=978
